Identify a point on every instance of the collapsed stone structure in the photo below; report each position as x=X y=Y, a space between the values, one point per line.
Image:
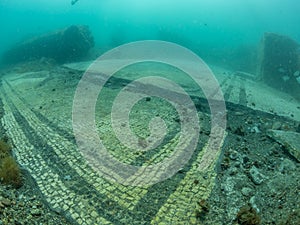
x=63 y=45
x=279 y=63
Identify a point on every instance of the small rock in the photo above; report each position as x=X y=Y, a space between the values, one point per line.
x=233 y=171
x=253 y=204
x=286 y=78
x=21 y=196
x=21 y=204
x=32 y=198
x=239 y=113
x=29 y=217
x=276 y=125
x=237 y=164
x=286 y=166
x=255 y=129
x=246 y=191
x=297 y=73
x=233 y=154
x=67 y=177
x=6 y=202
x=256 y=177
x=36 y=212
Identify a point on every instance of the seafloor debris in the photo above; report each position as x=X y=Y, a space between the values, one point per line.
x=64 y=45
x=247 y=216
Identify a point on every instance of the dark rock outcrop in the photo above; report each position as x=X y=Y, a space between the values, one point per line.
x=279 y=64
x=63 y=45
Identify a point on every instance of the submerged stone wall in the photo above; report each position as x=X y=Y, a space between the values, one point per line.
x=64 y=45
x=279 y=64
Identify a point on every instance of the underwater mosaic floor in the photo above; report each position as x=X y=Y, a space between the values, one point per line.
x=45 y=146
x=71 y=187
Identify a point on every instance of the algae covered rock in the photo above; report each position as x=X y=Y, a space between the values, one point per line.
x=279 y=63
x=64 y=45
x=289 y=139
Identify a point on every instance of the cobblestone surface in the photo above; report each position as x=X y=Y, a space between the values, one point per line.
x=46 y=148
x=38 y=119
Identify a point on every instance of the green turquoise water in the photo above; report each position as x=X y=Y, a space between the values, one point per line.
x=231 y=160
x=215 y=29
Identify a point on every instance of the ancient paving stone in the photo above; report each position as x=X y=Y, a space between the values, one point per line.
x=71 y=187
x=289 y=139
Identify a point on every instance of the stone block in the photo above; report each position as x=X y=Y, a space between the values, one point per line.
x=64 y=45
x=279 y=63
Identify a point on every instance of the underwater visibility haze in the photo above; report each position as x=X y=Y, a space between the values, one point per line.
x=209 y=27
x=150 y=112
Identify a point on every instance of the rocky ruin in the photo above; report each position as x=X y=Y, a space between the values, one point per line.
x=279 y=64
x=64 y=45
